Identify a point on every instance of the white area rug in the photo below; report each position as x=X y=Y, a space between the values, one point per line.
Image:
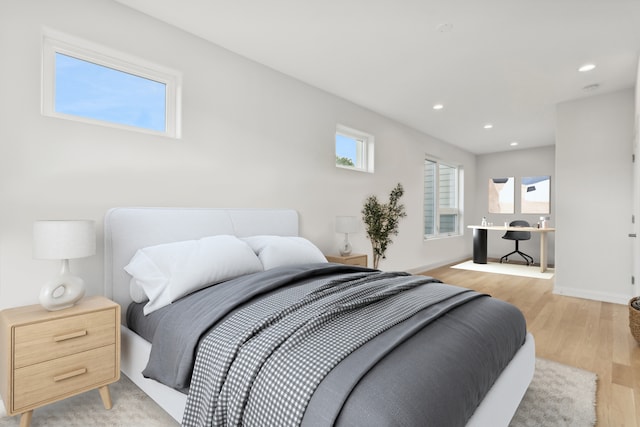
x=131 y=408
x=506 y=268
x=558 y=396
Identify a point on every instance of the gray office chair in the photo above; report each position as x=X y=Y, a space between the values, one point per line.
x=517 y=236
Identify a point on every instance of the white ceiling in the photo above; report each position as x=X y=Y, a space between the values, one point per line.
x=505 y=62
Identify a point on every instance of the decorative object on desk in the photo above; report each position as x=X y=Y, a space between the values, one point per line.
x=634 y=318
x=63 y=240
x=501 y=191
x=544 y=221
x=534 y=194
x=381 y=220
x=346 y=225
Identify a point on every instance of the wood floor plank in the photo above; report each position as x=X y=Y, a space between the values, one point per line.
x=587 y=334
x=622 y=411
x=635 y=369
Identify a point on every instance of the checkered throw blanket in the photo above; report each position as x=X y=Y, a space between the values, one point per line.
x=261 y=366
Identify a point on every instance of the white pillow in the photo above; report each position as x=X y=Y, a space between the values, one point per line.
x=276 y=251
x=170 y=271
x=136 y=291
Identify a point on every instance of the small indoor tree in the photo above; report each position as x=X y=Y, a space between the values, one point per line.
x=381 y=221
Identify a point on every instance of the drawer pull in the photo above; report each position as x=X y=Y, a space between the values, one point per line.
x=70 y=335
x=70 y=374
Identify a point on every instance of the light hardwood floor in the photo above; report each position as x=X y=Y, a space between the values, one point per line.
x=587 y=334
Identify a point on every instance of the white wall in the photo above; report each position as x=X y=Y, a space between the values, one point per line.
x=636 y=188
x=593 y=206
x=517 y=164
x=252 y=137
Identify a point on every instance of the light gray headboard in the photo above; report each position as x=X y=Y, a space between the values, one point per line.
x=128 y=229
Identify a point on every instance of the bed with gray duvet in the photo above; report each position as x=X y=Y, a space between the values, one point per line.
x=329 y=344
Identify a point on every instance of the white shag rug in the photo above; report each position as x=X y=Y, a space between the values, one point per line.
x=506 y=268
x=559 y=396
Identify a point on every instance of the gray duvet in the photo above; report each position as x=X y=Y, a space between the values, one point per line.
x=429 y=362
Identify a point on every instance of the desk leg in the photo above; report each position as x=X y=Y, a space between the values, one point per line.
x=543 y=252
x=479 y=246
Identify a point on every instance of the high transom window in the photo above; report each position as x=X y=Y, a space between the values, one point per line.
x=94 y=84
x=354 y=149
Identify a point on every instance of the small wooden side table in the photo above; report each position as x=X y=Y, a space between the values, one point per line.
x=353 y=259
x=46 y=356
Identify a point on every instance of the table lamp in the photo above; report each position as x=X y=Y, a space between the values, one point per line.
x=63 y=240
x=346 y=225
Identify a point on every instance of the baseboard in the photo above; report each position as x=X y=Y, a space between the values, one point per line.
x=565 y=291
x=423 y=268
x=592 y=295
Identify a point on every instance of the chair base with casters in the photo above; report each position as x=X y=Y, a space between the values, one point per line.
x=528 y=259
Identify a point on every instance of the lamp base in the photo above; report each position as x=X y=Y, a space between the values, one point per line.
x=63 y=291
x=345 y=248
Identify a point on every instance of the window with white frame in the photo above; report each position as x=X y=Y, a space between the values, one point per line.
x=354 y=149
x=442 y=216
x=86 y=82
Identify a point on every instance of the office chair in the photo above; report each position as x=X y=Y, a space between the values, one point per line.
x=517 y=236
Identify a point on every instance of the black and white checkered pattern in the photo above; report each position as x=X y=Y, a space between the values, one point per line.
x=261 y=366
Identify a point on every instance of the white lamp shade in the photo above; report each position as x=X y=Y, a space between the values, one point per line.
x=63 y=239
x=346 y=224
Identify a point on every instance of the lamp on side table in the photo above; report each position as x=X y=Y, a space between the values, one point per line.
x=63 y=240
x=346 y=225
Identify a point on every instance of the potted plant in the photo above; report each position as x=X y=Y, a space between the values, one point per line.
x=634 y=318
x=381 y=221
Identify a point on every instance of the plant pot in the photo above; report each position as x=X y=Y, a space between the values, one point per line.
x=634 y=320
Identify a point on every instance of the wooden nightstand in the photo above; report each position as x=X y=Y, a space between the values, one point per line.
x=353 y=259
x=46 y=356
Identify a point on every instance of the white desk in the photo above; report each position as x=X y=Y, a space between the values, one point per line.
x=480 y=241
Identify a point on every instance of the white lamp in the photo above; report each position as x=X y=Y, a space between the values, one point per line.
x=346 y=225
x=63 y=240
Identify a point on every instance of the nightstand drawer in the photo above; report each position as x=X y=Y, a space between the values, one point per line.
x=37 y=342
x=359 y=260
x=63 y=377
x=355 y=259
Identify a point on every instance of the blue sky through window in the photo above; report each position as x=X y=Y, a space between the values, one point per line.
x=346 y=147
x=93 y=91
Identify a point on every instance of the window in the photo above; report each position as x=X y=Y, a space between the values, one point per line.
x=441 y=199
x=354 y=149
x=94 y=84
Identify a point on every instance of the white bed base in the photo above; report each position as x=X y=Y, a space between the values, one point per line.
x=128 y=229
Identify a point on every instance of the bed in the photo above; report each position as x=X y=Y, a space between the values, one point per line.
x=129 y=229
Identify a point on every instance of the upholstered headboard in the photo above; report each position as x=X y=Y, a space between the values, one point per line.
x=128 y=229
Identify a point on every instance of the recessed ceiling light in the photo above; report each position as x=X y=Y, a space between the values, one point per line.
x=514 y=143
x=438 y=107
x=488 y=126
x=586 y=67
x=445 y=28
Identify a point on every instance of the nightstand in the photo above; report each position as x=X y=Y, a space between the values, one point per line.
x=46 y=356
x=353 y=259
